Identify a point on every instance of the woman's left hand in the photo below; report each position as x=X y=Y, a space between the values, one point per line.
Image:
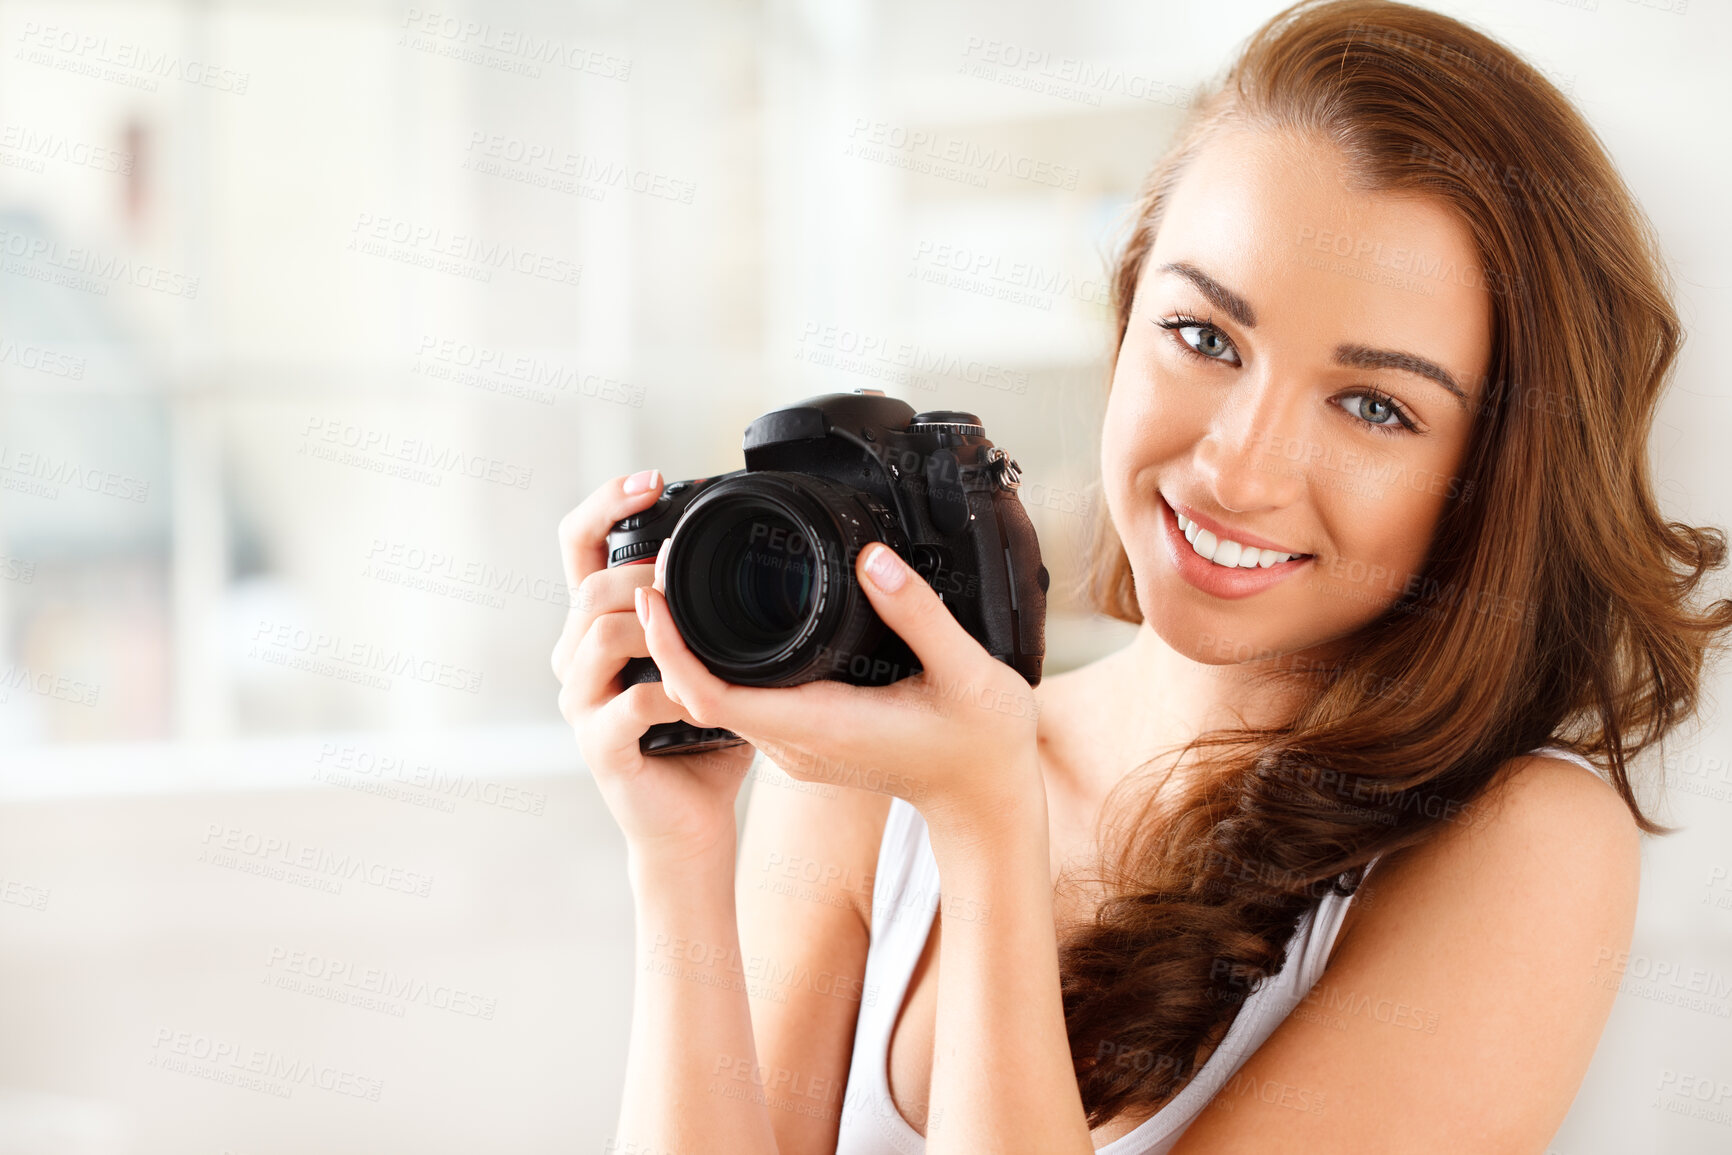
x=956 y=740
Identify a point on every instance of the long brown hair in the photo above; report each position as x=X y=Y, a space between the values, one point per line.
x=1555 y=603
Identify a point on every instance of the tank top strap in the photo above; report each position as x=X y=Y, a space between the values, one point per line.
x=905 y=885
x=1568 y=756
x=905 y=893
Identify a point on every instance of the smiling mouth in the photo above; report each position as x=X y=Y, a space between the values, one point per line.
x=1227 y=553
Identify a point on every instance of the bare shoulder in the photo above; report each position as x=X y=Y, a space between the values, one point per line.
x=1545 y=826
x=1545 y=830
x=1491 y=948
x=1551 y=803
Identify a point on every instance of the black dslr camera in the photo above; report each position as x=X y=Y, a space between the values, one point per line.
x=759 y=574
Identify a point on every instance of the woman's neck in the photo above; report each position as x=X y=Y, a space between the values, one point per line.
x=1148 y=699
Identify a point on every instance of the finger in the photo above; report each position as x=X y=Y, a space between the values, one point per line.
x=583 y=531
x=684 y=677
x=812 y=714
x=594 y=668
x=612 y=731
x=605 y=591
x=912 y=609
x=576 y=712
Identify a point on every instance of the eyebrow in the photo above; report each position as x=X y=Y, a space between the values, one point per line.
x=1232 y=303
x=1361 y=357
x=1355 y=356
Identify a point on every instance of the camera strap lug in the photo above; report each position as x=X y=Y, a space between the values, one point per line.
x=1005 y=471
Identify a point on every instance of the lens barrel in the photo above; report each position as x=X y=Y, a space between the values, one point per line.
x=760 y=579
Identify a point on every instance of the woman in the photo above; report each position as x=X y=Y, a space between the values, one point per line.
x=1391 y=336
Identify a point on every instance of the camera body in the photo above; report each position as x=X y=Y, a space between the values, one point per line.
x=759 y=576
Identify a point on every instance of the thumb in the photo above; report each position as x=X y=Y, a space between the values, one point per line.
x=912 y=608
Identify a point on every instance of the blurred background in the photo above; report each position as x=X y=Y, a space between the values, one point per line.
x=314 y=319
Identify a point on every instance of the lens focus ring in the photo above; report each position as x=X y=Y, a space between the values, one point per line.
x=760 y=578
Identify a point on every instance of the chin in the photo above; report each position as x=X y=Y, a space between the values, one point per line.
x=1211 y=639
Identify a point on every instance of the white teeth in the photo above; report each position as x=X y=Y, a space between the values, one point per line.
x=1227 y=553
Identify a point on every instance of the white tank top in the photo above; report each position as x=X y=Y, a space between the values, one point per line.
x=904 y=899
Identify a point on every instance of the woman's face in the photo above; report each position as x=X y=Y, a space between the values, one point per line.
x=1301 y=370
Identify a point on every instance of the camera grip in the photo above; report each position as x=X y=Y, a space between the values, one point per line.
x=674 y=737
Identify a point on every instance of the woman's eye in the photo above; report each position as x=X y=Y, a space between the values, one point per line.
x=1204 y=340
x=1377 y=410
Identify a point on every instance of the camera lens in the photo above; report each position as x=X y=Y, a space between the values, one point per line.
x=760 y=576
x=763 y=575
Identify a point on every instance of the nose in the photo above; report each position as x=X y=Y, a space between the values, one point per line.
x=1246 y=457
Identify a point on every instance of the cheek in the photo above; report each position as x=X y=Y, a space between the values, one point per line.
x=1383 y=533
x=1121 y=425
x=1145 y=421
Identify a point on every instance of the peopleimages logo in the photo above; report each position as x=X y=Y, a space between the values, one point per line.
x=37 y=148
x=59 y=687
x=340 y=980
x=441 y=250
x=525 y=375
x=563 y=170
x=43 y=259
x=954 y=158
x=1066 y=77
x=418 y=458
x=120 y=61
x=42 y=475
x=222 y=843
x=902 y=362
x=316 y=651
x=507 y=49
x=991 y=275
x=361 y=765
x=255 y=1068
x=42 y=360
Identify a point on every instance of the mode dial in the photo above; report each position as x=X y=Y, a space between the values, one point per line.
x=953 y=420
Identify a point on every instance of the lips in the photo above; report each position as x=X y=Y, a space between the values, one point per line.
x=1218 y=580
x=1223 y=534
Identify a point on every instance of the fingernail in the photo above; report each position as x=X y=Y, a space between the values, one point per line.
x=644 y=479
x=662 y=562
x=640 y=600
x=885 y=568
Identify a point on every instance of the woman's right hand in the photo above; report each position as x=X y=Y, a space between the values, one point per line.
x=672 y=808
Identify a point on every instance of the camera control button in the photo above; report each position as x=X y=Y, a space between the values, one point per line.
x=633 y=551
x=947 y=421
x=944 y=417
x=644 y=516
x=929 y=561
